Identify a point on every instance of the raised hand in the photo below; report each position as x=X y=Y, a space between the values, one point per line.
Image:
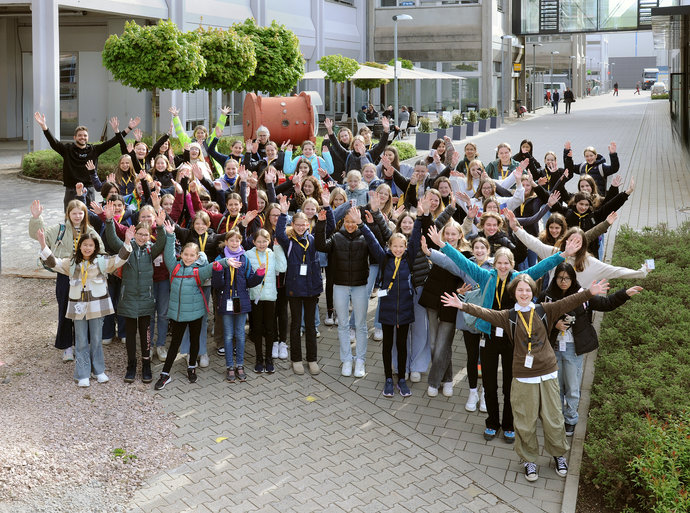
x=462 y=196
x=398 y=212
x=385 y=122
x=466 y=287
x=455 y=159
x=41 y=237
x=41 y=120
x=631 y=187
x=612 y=147
x=243 y=174
x=161 y=217
x=130 y=147
x=452 y=300
x=36 y=209
x=109 y=210
x=138 y=134
x=355 y=214
x=425 y=247
x=284 y=145
x=249 y=217
x=328 y=123
x=234 y=262
x=96 y=208
x=435 y=236
x=473 y=211
x=253 y=181
x=79 y=188
x=288 y=147
x=174 y=111
x=599 y=287
x=369 y=218
x=90 y=165
x=111 y=178
x=171 y=130
x=572 y=246
x=225 y=110
x=219 y=132
x=425 y=204
x=323 y=173
x=325 y=197
x=270 y=175
x=567 y=145
x=168 y=226
x=634 y=290
x=321 y=215
x=129 y=234
x=437 y=157
x=196 y=170
x=255 y=147
x=542 y=181
x=617 y=181
x=512 y=220
x=283 y=204
x=115 y=124
x=133 y=122
x=142 y=174
x=612 y=218
x=374 y=202
x=554 y=198
x=324 y=149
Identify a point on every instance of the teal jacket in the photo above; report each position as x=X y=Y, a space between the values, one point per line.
x=186 y=301
x=136 y=292
x=486 y=278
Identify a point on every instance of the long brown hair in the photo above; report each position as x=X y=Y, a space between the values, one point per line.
x=581 y=255
x=545 y=235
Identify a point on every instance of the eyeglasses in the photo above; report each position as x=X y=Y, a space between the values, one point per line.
x=563 y=278
x=142 y=234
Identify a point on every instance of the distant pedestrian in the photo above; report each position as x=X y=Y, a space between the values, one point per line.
x=637 y=88
x=555 y=97
x=615 y=89
x=568 y=98
x=548 y=96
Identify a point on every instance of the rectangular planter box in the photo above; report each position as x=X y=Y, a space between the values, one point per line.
x=423 y=140
x=472 y=128
x=459 y=132
x=495 y=122
x=443 y=132
x=483 y=125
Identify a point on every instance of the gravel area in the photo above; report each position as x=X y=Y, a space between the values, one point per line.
x=66 y=448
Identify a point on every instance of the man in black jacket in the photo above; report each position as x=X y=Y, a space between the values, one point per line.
x=76 y=155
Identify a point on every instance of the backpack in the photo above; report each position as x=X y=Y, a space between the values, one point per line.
x=195 y=275
x=541 y=313
x=60 y=236
x=474 y=297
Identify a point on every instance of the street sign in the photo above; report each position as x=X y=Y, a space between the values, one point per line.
x=517 y=66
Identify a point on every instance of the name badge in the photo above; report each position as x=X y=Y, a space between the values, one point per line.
x=529 y=360
x=499 y=332
x=303 y=270
x=229 y=305
x=561 y=346
x=482 y=342
x=382 y=293
x=158 y=261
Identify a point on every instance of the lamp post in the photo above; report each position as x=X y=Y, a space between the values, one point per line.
x=572 y=71
x=509 y=71
x=534 y=70
x=395 y=62
x=555 y=52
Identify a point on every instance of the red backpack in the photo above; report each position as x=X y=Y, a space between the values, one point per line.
x=195 y=275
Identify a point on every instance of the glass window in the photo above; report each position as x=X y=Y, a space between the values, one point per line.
x=456 y=66
x=69 y=94
x=578 y=15
x=617 y=14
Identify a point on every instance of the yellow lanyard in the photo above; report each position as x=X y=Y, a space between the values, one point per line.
x=127 y=180
x=84 y=273
x=580 y=217
x=505 y=172
x=587 y=169
x=395 y=272
x=503 y=288
x=304 y=255
x=522 y=210
x=232 y=279
x=227 y=223
x=528 y=328
x=202 y=245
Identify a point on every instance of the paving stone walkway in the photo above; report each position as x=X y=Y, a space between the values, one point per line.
x=326 y=443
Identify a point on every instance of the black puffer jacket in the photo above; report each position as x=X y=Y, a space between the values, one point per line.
x=348 y=255
x=439 y=281
x=421 y=267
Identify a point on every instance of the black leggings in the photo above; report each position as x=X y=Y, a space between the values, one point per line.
x=143 y=323
x=472 y=348
x=329 y=289
x=178 y=329
x=263 y=319
x=497 y=347
x=401 y=346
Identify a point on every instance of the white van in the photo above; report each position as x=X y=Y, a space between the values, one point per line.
x=559 y=86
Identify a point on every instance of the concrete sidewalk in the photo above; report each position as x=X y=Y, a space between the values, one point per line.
x=299 y=443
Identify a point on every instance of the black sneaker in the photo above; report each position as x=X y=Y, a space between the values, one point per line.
x=561 y=466
x=270 y=368
x=259 y=368
x=531 y=471
x=191 y=374
x=131 y=372
x=146 y=376
x=220 y=351
x=569 y=429
x=162 y=381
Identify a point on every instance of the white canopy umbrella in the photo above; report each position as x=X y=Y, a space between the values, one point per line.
x=366 y=72
x=417 y=73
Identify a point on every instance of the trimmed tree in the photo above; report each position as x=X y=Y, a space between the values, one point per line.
x=230 y=61
x=367 y=84
x=154 y=57
x=404 y=63
x=337 y=67
x=279 y=61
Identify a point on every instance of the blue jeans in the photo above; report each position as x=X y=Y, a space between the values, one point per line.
x=88 y=355
x=371 y=281
x=161 y=293
x=184 y=347
x=233 y=328
x=360 y=302
x=569 y=379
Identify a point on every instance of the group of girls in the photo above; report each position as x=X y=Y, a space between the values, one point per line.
x=249 y=235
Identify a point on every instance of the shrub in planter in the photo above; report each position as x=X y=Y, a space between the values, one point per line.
x=483 y=120
x=405 y=150
x=472 y=128
x=458 y=127
x=423 y=135
x=494 y=120
x=443 y=129
x=483 y=113
x=457 y=120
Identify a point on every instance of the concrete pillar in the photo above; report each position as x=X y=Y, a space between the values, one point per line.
x=45 y=42
x=486 y=89
x=319 y=47
x=10 y=81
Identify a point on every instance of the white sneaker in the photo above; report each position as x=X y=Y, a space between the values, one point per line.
x=347 y=369
x=482 y=402
x=102 y=378
x=329 y=320
x=472 y=400
x=353 y=335
x=415 y=377
x=378 y=334
x=335 y=319
x=432 y=391
x=448 y=389
x=282 y=351
x=123 y=340
x=162 y=353
x=203 y=360
x=68 y=355
x=318 y=334
x=359 y=368
x=276 y=350
x=106 y=341
x=83 y=383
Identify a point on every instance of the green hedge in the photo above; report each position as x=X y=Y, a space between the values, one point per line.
x=47 y=164
x=643 y=365
x=663 y=96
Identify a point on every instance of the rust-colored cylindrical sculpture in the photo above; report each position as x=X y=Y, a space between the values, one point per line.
x=286 y=117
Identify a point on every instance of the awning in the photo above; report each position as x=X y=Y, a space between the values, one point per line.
x=368 y=72
x=423 y=74
x=365 y=72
